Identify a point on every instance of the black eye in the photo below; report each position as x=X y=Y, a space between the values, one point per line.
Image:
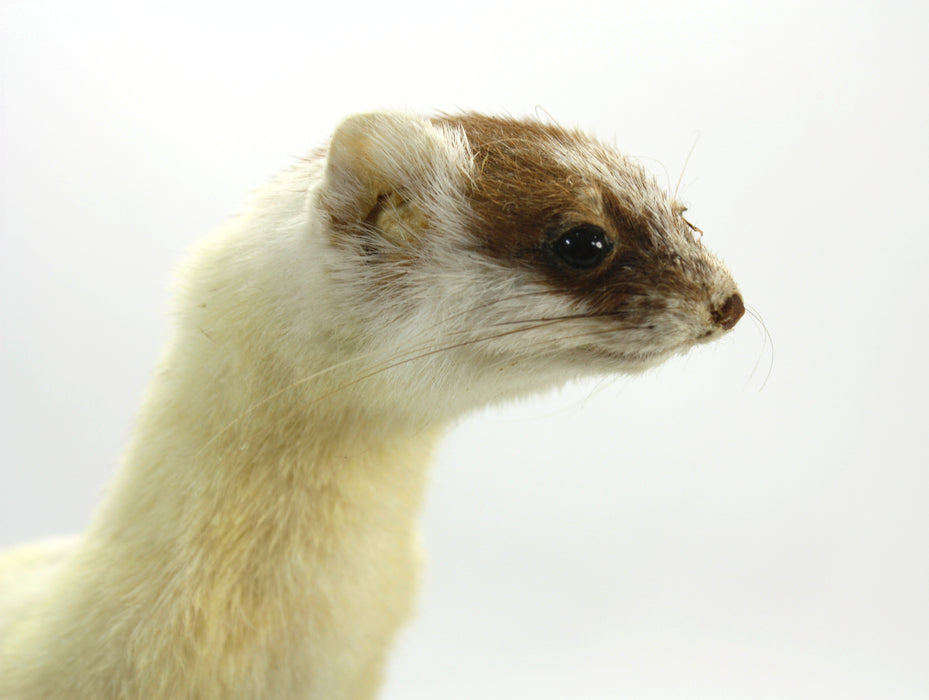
x=583 y=247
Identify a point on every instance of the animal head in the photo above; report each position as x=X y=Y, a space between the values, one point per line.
x=488 y=257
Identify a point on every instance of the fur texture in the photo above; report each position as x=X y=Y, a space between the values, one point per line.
x=259 y=540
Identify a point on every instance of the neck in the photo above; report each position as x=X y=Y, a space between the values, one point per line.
x=254 y=534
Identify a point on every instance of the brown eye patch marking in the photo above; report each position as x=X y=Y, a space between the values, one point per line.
x=524 y=199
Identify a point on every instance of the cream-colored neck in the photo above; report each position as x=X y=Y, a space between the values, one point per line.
x=254 y=542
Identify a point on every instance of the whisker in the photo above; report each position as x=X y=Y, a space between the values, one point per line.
x=493 y=302
x=535 y=324
x=429 y=353
x=686 y=161
x=528 y=325
x=571 y=317
x=385 y=367
x=585 y=334
x=419 y=351
x=765 y=338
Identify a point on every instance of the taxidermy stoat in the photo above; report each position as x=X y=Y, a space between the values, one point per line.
x=259 y=539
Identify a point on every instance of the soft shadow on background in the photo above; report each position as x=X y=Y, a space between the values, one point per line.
x=734 y=524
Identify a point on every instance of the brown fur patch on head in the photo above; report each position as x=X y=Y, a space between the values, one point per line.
x=519 y=190
x=534 y=182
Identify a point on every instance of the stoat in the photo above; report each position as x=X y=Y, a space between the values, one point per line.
x=259 y=539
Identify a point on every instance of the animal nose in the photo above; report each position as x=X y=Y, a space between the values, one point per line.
x=729 y=313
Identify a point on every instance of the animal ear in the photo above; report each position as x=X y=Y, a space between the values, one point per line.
x=378 y=156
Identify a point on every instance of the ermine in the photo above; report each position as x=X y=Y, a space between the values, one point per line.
x=259 y=540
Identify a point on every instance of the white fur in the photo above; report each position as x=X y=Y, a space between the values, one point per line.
x=259 y=540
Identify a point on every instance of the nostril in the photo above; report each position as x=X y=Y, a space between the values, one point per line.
x=730 y=312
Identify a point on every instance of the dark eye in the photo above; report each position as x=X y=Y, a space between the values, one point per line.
x=583 y=247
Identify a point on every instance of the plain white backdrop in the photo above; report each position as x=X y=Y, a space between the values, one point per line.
x=744 y=522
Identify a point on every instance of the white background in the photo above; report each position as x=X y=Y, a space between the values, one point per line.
x=735 y=524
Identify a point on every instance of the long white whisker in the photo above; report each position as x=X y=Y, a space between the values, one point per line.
x=765 y=338
x=686 y=162
x=417 y=351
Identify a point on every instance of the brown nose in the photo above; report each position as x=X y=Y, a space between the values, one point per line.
x=730 y=312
